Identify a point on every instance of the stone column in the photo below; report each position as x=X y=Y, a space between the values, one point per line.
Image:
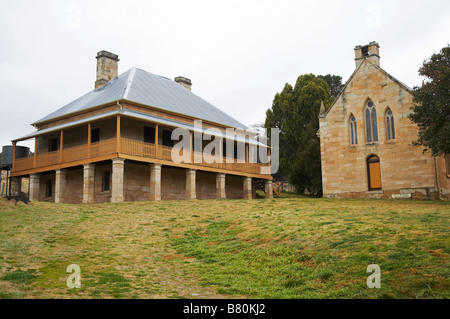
x=88 y=183
x=220 y=186
x=155 y=182
x=16 y=185
x=268 y=188
x=60 y=185
x=248 y=188
x=34 y=187
x=191 y=192
x=118 y=173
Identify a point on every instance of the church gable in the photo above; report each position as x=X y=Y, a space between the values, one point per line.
x=370 y=82
x=368 y=85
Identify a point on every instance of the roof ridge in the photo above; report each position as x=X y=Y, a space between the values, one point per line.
x=149 y=89
x=129 y=81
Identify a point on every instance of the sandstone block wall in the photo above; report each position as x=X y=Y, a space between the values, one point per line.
x=173 y=183
x=74 y=186
x=206 y=185
x=137 y=181
x=234 y=187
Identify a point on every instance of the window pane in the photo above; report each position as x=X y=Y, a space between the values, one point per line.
x=374 y=125
x=49 y=190
x=95 y=135
x=167 y=138
x=388 y=128
x=392 y=127
x=351 y=133
x=356 y=134
x=149 y=134
x=368 y=126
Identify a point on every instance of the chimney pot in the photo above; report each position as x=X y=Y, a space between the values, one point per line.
x=184 y=82
x=107 y=67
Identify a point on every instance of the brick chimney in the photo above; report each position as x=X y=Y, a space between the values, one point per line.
x=107 y=67
x=370 y=52
x=184 y=82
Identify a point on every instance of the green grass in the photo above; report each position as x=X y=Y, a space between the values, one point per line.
x=20 y=276
x=279 y=248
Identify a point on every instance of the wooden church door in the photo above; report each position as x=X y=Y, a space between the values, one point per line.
x=374 y=173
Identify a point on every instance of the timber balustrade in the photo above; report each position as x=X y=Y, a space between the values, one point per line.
x=129 y=147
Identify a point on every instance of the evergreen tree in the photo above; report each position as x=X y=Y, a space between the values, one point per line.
x=334 y=84
x=431 y=111
x=295 y=113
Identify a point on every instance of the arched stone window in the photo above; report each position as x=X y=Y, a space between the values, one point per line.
x=353 y=131
x=390 y=128
x=371 y=122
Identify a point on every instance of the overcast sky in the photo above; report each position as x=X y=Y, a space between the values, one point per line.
x=238 y=54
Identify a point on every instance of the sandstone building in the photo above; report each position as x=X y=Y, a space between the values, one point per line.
x=115 y=144
x=366 y=140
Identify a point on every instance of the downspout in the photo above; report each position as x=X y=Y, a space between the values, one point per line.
x=437 y=178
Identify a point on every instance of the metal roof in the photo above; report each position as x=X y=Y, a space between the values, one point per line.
x=146 y=88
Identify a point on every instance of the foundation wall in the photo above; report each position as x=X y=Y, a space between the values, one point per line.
x=173 y=183
x=206 y=185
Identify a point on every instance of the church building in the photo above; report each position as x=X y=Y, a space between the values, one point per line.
x=366 y=139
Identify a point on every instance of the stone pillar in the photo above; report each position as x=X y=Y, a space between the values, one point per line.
x=118 y=173
x=220 y=186
x=88 y=183
x=191 y=192
x=248 y=188
x=34 y=187
x=155 y=182
x=268 y=188
x=16 y=185
x=60 y=185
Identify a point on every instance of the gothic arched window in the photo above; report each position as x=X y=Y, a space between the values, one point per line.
x=371 y=122
x=390 y=128
x=353 y=131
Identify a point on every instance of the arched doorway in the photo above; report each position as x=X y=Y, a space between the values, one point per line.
x=374 y=173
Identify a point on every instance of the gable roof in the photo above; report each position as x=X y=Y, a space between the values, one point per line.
x=153 y=90
x=407 y=88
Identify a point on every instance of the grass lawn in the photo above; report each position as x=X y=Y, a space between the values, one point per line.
x=280 y=248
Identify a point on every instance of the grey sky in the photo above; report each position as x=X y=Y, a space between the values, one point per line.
x=238 y=54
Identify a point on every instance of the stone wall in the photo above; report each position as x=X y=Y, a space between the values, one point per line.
x=74 y=186
x=137 y=181
x=234 y=187
x=173 y=183
x=205 y=185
